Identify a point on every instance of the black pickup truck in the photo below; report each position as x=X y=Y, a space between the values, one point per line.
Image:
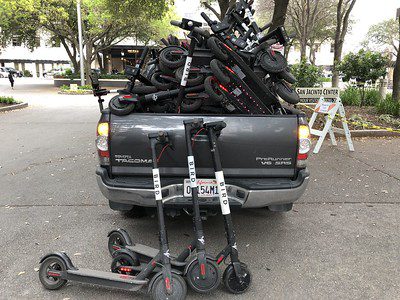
x=264 y=160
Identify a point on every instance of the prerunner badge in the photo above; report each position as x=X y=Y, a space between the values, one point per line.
x=157 y=184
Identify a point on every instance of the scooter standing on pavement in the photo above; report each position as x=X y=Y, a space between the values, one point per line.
x=236 y=277
x=56 y=268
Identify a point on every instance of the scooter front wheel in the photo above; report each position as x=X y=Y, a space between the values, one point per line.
x=178 y=285
x=209 y=283
x=49 y=273
x=231 y=281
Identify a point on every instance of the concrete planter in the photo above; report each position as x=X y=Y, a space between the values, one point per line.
x=118 y=83
x=13 y=107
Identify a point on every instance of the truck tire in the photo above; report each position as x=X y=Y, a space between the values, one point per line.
x=281 y=207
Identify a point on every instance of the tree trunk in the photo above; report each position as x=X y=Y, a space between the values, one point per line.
x=279 y=16
x=337 y=57
x=88 y=62
x=303 y=49
x=312 y=56
x=396 y=76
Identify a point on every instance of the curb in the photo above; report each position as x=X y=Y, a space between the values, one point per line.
x=370 y=133
x=14 y=107
x=76 y=94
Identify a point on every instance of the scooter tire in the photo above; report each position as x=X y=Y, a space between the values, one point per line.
x=273 y=62
x=287 y=93
x=287 y=76
x=219 y=71
x=207 y=285
x=52 y=263
x=231 y=282
x=191 y=105
x=179 y=288
x=172 y=61
x=210 y=87
x=123 y=259
x=193 y=78
x=120 y=109
x=160 y=83
x=116 y=241
x=214 y=45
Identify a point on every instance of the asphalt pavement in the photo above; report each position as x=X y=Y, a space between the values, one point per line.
x=340 y=241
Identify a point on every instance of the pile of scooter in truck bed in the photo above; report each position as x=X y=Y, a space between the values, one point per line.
x=233 y=70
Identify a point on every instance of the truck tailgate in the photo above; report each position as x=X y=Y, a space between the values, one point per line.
x=250 y=146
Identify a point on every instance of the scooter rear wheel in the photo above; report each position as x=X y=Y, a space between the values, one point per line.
x=116 y=241
x=207 y=285
x=54 y=263
x=123 y=259
x=231 y=281
x=120 y=109
x=178 y=284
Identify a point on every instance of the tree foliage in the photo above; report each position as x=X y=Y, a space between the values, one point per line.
x=104 y=22
x=307 y=75
x=385 y=34
x=364 y=66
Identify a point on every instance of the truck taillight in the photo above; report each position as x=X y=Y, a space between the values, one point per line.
x=102 y=143
x=304 y=145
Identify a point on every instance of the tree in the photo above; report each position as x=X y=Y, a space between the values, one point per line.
x=364 y=66
x=274 y=11
x=15 y=21
x=344 y=8
x=386 y=34
x=311 y=21
x=222 y=4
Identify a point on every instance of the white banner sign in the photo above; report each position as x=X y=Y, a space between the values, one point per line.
x=312 y=95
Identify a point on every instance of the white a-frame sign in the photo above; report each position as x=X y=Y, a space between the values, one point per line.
x=330 y=110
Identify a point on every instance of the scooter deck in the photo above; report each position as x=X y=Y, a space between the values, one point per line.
x=103 y=278
x=152 y=252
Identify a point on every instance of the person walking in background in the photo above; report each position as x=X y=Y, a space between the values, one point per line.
x=11 y=78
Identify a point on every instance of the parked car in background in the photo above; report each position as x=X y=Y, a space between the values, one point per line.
x=14 y=72
x=52 y=72
x=3 y=72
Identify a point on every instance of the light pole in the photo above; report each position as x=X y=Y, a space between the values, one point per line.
x=78 y=9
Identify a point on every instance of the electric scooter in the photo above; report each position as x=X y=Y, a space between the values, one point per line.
x=236 y=277
x=56 y=268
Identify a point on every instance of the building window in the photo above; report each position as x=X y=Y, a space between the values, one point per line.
x=16 y=41
x=332 y=47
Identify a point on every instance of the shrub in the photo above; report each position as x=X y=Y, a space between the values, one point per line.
x=388 y=106
x=351 y=96
x=64 y=87
x=27 y=73
x=85 y=87
x=372 y=97
x=307 y=75
x=7 y=100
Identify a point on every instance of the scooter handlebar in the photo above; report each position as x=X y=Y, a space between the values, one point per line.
x=206 y=18
x=176 y=23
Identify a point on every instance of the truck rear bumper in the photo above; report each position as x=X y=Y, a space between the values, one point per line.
x=246 y=193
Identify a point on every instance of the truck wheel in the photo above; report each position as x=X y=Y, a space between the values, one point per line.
x=281 y=207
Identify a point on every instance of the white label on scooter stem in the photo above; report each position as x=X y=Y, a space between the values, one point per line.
x=223 y=193
x=157 y=184
x=186 y=71
x=250 y=16
x=192 y=172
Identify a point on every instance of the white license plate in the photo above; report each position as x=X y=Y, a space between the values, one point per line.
x=207 y=188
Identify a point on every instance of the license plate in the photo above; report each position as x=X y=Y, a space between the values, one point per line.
x=207 y=188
